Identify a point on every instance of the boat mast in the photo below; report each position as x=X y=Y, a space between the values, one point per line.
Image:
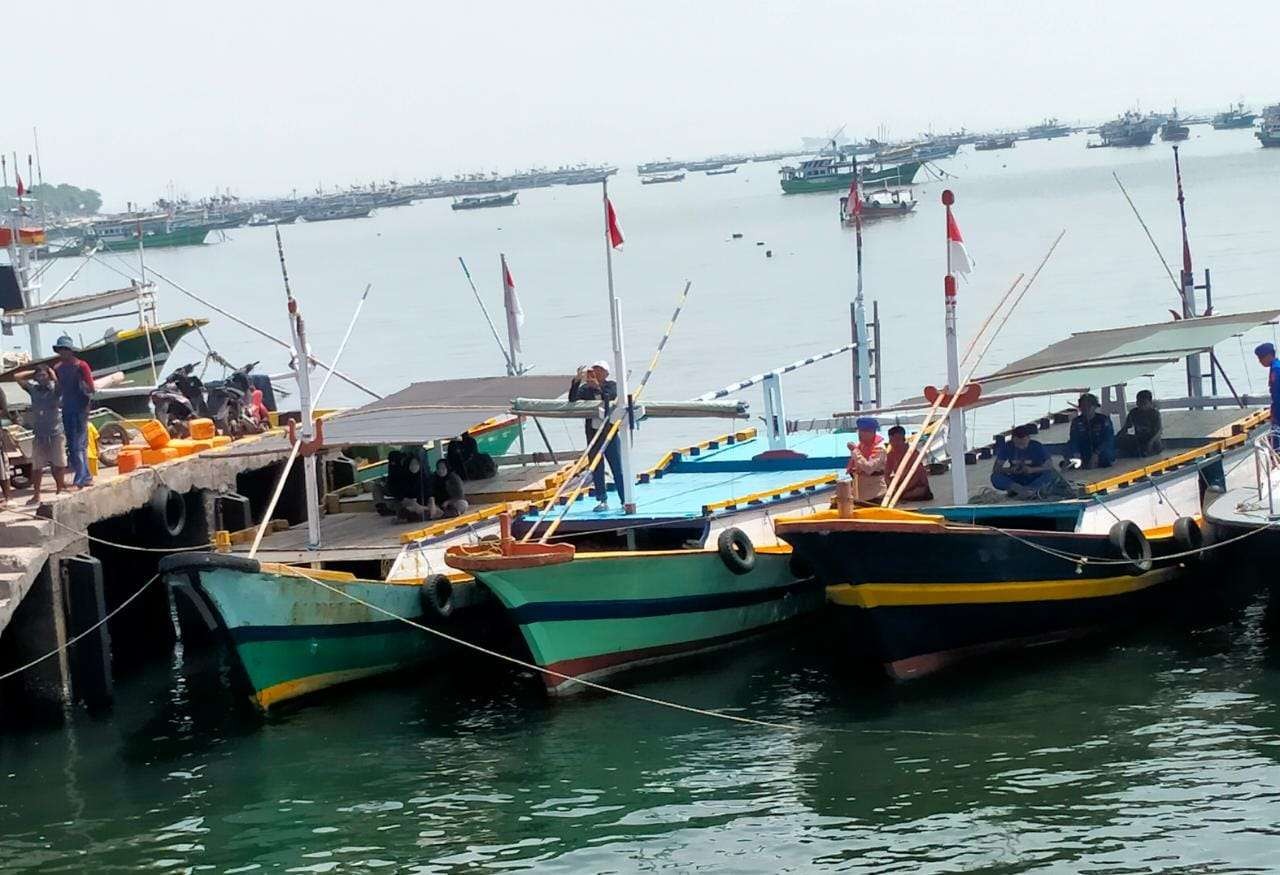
x=625 y=489
x=20 y=259
x=1195 y=380
x=302 y=370
x=861 y=362
x=955 y=420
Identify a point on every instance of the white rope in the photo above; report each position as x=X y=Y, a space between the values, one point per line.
x=95 y=539
x=86 y=632
x=689 y=709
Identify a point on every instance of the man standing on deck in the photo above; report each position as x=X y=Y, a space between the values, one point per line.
x=48 y=447
x=75 y=390
x=1266 y=353
x=593 y=384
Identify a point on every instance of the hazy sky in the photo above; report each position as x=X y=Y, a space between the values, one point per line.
x=267 y=96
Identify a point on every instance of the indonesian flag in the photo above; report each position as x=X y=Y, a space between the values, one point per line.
x=22 y=189
x=957 y=255
x=611 y=223
x=855 y=199
x=515 y=313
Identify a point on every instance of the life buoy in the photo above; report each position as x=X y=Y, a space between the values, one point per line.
x=1130 y=544
x=1188 y=535
x=736 y=551
x=169 y=510
x=437 y=596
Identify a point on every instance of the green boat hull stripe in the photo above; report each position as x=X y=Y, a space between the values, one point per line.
x=545 y=612
x=246 y=634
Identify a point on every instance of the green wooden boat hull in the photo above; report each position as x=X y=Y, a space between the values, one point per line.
x=192 y=236
x=292 y=637
x=609 y=612
x=899 y=174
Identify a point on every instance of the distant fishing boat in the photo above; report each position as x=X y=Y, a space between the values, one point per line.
x=991 y=144
x=828 y=173
x=122 y=236
x=1130 y=129
x=332 y=213
x=484 y=201
x=653 y=167
x=1047 y=130
x=1268 y=133
x=723 y=171
x=879 y=205
x=1174 y=128
x=658 y=180
x=1235 y=117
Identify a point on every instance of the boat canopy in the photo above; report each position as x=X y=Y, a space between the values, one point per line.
x=1110 y=357
x=696 y=409
x=436 y=409
x=77 y=306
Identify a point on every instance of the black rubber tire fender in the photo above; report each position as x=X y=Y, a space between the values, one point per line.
x=437 y=596
x=736 y=550
x=1129 y=543
x=169 y=510
x=1188 y=535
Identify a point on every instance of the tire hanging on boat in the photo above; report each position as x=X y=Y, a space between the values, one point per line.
x=437 y=596
x=1188 y=535
x=736 y=550
x=1129 y=543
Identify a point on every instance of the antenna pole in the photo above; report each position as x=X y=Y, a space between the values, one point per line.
x=1195 y=379
x=625 y=489
x=862 y=362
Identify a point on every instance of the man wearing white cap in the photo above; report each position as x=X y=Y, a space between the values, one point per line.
x=593 y=384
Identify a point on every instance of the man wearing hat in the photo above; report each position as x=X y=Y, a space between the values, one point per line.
x=1091 y=443
x=1266 y=353
x=867 y=461
x=75 y=389
x=1022 y=466
x=592 y=383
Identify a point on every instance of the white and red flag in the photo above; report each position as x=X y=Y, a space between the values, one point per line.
x=611 y=222
x=855 y=198
x=511 y=303
x=22 y=189
x=958 y=259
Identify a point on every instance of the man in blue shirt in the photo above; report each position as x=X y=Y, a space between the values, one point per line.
x=1266 y=353
x=1092 y=439
x=75 y=389
x=1022 y=466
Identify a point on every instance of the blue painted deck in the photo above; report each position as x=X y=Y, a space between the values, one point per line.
x=718 y=473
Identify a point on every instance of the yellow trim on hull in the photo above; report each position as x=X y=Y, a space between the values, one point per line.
x=878 y=595
x=285 y=690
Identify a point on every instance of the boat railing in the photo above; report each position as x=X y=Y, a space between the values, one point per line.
x=1266 y=460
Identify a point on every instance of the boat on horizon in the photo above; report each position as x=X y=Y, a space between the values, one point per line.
x=335 y=212
x=1048 y=129
x=880 y=204
x=1129 y=130
x=1268 y=132
x=722 y=171
x=991 y=144
x=1174 y=129
x=484 y=201
x=1235 y=117
x=658 y=180
x=829 y=173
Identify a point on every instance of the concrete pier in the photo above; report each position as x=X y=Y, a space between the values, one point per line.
x=48 y=592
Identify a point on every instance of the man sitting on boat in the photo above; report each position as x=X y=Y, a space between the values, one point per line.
x=446 y=495
x=900 y=458
x=1144 y=421
x=593 y=384
x=1092 y=439
x=867 y=461
x=1022 y=466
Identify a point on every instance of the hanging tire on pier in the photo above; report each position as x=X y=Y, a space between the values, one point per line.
x=437 y=596
x=1129 y=543
x=736 y=551
x=169 y=511
x=1189 y=537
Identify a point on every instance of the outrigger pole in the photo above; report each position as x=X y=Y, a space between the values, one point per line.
x=507 y=358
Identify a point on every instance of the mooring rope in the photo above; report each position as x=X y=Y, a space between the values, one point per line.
x=94 y=538
x=52 y=653
x=650 y=700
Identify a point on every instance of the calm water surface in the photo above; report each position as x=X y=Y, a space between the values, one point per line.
x=1156 y=751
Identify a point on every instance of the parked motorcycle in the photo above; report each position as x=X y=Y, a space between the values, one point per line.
x=179 y=399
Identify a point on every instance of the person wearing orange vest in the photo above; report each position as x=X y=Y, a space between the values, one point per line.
x=867 y=460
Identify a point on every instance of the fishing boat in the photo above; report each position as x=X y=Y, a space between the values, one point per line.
x=123 y=236
x=1235 y=117
x=653 y=167
x=481 y=202
x=292 y=636
x=1048 y=129
x=829 y=173
x=1247 y=517
x=338 y=211
x=1130 y=129
x=1174 y=129
x=879 y=205
x=658 y=180
x=991 y=144
x=722 y=171
x=1268 y=132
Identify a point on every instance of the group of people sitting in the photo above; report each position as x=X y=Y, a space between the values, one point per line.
x=430 y=494
x=1023 y=467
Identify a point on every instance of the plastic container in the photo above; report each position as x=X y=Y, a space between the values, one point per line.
x=220 y=440
x=128 y=460
x=201 y=429
x=155 y=457
x=154 y=434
